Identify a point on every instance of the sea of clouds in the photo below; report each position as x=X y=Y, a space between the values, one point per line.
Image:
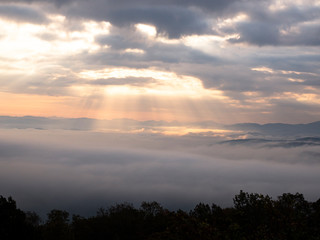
x=80 y=171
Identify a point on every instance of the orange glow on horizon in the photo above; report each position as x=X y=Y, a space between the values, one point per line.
x=78 y=107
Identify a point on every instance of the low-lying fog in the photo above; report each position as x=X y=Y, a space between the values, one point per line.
x=80 y=171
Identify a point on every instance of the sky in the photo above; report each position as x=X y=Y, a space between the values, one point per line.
x=107 y=101
x=223 y=61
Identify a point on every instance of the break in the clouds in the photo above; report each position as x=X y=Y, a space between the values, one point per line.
x=223 y=61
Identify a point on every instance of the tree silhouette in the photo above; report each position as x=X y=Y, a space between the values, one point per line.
x=253 y=216
x=57 y=226
x=13 y=224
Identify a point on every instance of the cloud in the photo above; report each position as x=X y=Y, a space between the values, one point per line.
x=259 y=33
x=312 y=32
x=22 y=14
x=57 y=3
x=171 y=21
x=171 y=18
x=217 y=42
x=81 y=171
x=291 y=26
x=123 y=38
x=132 y=81
x=152 y=50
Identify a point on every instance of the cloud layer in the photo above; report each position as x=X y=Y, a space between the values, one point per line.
x=82 y=171
x=259 y=57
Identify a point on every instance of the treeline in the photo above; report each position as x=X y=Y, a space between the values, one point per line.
x=253 y=216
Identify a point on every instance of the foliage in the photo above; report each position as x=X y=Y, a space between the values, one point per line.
x=253 y=216
x=14 y=223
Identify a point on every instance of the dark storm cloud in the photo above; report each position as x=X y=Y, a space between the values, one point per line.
x=171 y=21
x=234 y=78
x=207 y=4
x=57 y=3
x=262 y=33
x=22 y=14
x=177 y=54
x=304 y=60
x=213 y=5
x=178 y=18
x=158 y=54
x=119 y=42
x=291 y=26
x=171 y=18
x=259 y=33
x=309 y=35
x=123 y=38
x=301 y=65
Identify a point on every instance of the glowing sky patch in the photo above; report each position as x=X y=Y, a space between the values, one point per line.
x=149 y=30
x=263 y=69
x=180 y=131
x=134 y=50
x=165 y=83
x=26 y=104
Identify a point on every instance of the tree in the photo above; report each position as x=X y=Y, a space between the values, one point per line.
x=57 y=225
x=292 y=214
x=13 y=223
x=151 y=208
x=254 y=214
x=202 y=212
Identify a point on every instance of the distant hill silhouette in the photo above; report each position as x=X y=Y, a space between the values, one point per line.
x=254 y=129
x=25 y=122
x=279 y=129
x=308 y=141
